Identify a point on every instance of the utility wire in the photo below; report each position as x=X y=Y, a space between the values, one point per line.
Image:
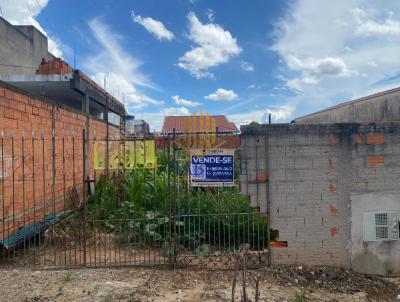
x=29 y=8
x=45 y=15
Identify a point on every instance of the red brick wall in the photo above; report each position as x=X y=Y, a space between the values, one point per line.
x=26 y=157
x=56 y=66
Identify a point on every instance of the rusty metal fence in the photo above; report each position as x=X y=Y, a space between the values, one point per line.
x=59 y=211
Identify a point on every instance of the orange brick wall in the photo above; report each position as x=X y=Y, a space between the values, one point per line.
x=26 y=157
x=56 y=66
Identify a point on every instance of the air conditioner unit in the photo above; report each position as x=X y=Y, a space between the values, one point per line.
x=382 y=225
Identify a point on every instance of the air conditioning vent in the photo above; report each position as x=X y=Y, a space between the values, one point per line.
x=381 y=226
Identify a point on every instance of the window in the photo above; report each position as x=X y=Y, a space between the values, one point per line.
x=243 y=167
x=379 y=226
x=114 y=118
x=96 y=109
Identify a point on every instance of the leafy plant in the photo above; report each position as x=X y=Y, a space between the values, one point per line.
x=202 y=250
x=170 y=249
x=301 y=296
x=67 y=276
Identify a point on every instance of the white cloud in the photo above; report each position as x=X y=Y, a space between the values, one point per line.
x=246 y=66
x=215 y=46
x=331 y=51
x=278 y=114
x=318 y=67
x=222 y=95
x=156 y=118
x=175 y=111
x=153 y=26
x=123 y=73
x=367 y=25
x=210 y=15
x=24 y=12
x=183 y=102
x=372 y=63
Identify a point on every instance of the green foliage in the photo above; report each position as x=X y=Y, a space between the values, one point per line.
x=67 y=276
x=301 y=296
x=138 y=206
x=170 y=248
x=202 y=250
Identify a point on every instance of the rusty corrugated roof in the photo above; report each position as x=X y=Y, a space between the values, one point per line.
x=180 y=124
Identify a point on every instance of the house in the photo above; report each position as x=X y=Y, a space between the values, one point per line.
x=136 y=128
x=226 y=132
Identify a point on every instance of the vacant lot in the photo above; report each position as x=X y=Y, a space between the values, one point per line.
x=139 y=284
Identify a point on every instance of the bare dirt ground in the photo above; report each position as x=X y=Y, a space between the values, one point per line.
x=278 y=283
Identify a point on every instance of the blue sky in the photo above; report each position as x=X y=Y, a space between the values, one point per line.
x=241 y=58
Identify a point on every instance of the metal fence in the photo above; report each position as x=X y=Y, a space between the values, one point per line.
x=122 y=216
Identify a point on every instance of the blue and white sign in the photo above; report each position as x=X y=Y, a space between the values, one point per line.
x=212 y=168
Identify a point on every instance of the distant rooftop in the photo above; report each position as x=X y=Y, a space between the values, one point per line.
x=180 y=124
x=385 y=109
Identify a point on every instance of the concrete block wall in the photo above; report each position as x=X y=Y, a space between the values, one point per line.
x=375 y=187
x=22 y=48
x=27 y=192
x=312 y=172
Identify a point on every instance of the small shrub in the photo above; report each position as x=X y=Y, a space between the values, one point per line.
x=170 y=249
x=301 y=295
x=67 y=276
x=202 y=250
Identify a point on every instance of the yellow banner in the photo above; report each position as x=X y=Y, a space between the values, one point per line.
x=125 y=154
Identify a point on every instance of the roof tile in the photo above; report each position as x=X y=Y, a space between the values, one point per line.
x=180 y=124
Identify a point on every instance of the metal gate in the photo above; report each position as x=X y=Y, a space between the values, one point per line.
x=70 y=201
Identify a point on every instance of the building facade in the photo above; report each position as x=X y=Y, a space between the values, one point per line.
x=22 y=48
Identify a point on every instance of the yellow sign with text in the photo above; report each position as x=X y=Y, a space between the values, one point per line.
x=125 y=154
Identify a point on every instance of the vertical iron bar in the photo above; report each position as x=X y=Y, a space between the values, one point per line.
x=33 y=191
x=13 y=180
x=53 y=168
x=84 y=145
x=2 y=188
x=154 y=197
x=73 y=186
x=174 y=200
x=73 y=159
x=44 y=178
x=64 y=200
x=44 y=196
x=267 y=168
x=168 y=200
x=53 y=187
x=23 y=185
